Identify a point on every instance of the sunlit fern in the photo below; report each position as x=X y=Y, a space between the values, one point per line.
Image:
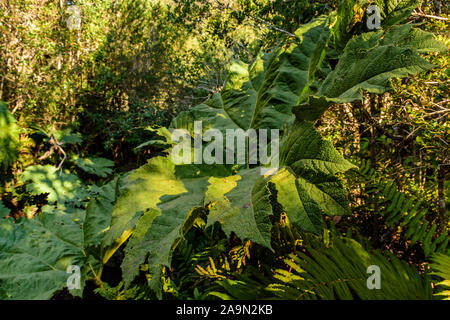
x=340 y=272
x=405 y=211
x=441 y=267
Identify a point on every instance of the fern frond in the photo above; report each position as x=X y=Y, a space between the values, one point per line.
x=248 y=286
x=441 y=267
x=341 y=272
x=405 y=211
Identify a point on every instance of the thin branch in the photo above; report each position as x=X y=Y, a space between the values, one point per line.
x=56 y=144
x=415 y=13
x=271 y=25
x=257 y=19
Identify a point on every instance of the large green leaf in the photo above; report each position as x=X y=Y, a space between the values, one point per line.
x=167 y=194
x=98 y=166
x=305 y=150
x=9 y=136
x=157 y=182
x=241 y=204
x=4 y=211
x=441 y=268
x=35 y=253
x=98 y=212
x=394 y=11
x=342 y=270
x=160 y=199
x=368 y=63
x=306 y=183
x=261 y=95
x=306 y=188
x=61 y=187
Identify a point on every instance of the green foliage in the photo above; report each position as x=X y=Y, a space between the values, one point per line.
x=207 y=231
x=163 y=139
x=44 y=64
x=306 y=183
x=170 y=212
x=261 y=96
x=243 y=289
x=367 y=64
x=404 y=211
x=4 y=211
x=441 y=266
x=395 y=11
x=97 y=166
x=35 y=253
x=178 y=191
x=61 y=187
x=9 y=137
x=98 y=211
x=339 y=271
x=120 y=293
x=241 y=204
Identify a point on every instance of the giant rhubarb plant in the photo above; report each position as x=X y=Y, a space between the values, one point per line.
x=296 y=79
x=330 y=61
x=35 y=254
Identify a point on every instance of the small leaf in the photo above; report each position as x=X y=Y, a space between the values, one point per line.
x=35 y=254
x=61 y=187
x=4 y=211
x=97 y=166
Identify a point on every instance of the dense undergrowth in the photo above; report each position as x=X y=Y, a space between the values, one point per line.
x=363 y=164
